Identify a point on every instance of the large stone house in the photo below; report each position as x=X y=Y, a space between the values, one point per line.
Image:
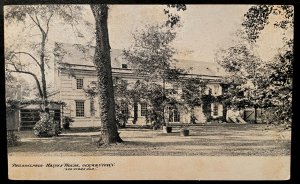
x=74 y=71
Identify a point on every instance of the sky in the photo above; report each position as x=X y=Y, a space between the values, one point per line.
x=204 y=30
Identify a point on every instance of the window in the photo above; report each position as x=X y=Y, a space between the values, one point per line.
x=143 y=109
x=215 y=109
x=216 y=89
x=92 y=107
x=135 y=112
x=125 y=111
x=79 y=108
x=124 y=66
x=171 y=114
x=79 y=83
x=174 y=114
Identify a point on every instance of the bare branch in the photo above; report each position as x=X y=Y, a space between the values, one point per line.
x=37 y=23
x=48 y=21
x=26 y=53
x=28 y=73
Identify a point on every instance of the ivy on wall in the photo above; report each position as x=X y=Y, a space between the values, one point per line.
x=207 y=100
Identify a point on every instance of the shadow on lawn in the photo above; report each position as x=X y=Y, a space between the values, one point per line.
x=199 y=146
x=203 y=140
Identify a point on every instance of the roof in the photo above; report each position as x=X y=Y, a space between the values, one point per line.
x=80 y=55
x=38 y=106
x=83 y=55
x=201 y=67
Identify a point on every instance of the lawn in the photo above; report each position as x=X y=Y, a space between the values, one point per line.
x=204 y=140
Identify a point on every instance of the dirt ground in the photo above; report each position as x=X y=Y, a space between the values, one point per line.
x=204 y=140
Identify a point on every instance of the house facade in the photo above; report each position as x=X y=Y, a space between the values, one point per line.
x=74 y=72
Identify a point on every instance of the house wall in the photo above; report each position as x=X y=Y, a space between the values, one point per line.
x=69 y=94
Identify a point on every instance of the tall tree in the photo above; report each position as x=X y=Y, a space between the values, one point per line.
x=280 y=70
x=257 y=18
x=243 y=67
x=39 y=17
x=102 y=61
x=192 y=92
x=151 y=56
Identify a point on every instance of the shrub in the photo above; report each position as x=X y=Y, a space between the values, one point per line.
x=46 y=126
x=12 y=138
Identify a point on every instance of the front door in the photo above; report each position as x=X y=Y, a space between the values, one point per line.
x=174 y=115
x=135 y=112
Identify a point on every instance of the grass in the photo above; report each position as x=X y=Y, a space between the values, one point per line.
x=204 y=140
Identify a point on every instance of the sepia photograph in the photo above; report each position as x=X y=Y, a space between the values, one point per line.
x=148 y=91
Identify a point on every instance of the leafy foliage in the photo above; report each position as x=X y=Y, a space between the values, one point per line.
x=258 y=84
x=39 y=18
x=206 y=108
x=151 y=54
x=122 y=101
x=173 y=18
x=12 y=138
x=280 y=87
x=277 y=80
x=245 y=77
x=17 y=88
x=258 y=16
x=192 y=90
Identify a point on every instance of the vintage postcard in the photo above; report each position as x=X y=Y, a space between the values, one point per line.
x=148 y=92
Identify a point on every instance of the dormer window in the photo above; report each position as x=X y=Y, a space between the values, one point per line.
x=124 y=66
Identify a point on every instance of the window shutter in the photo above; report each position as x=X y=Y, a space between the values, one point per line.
x=130 y=111
x=86 y=82
x=220 y=90
x=87 y=108
x=73 y=79
x=96 y=105
x=220 y=110
x=212 y=109
x=72 y=108
x=139 y=110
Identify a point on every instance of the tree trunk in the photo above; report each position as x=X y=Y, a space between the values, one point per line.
x=255 y=115
x=43 y=77
x=102 y=61
x=163 y=108
x=193 y=116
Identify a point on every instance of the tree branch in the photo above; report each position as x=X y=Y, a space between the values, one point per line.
x=48 y=21
x=26 y=53
x=29 y=73
x=94 y=9
x=38 y=24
